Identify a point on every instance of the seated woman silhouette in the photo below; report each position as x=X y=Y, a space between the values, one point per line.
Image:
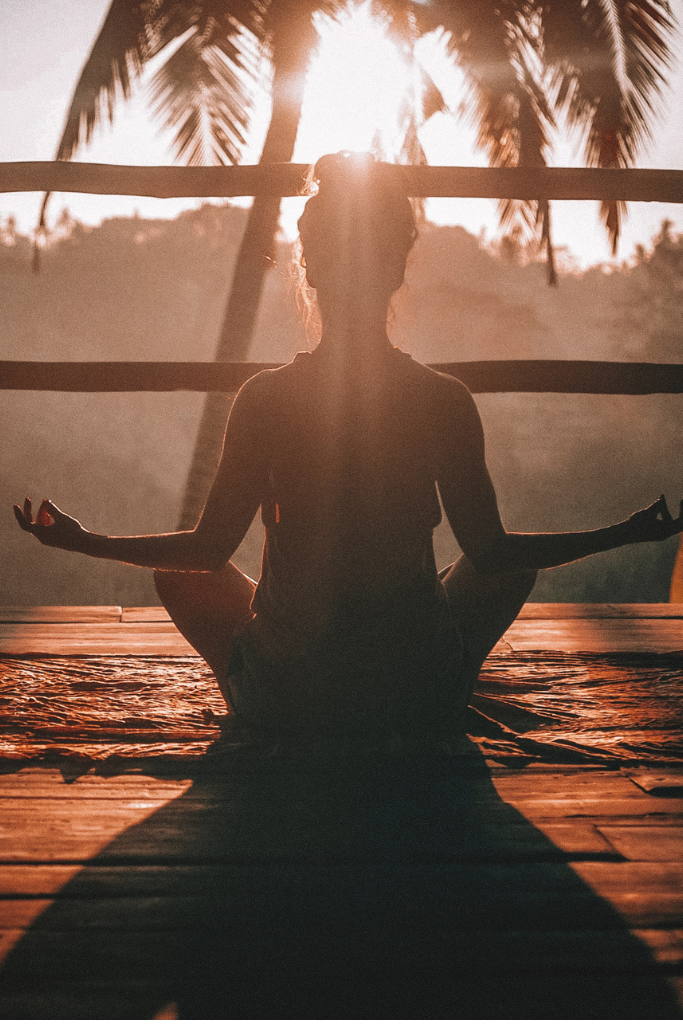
x=345 y=451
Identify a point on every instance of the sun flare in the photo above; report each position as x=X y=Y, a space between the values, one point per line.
x=355 y=88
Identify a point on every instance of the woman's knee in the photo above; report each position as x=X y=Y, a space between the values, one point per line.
x=520 y=583
x=172 y=585
x=526 y=578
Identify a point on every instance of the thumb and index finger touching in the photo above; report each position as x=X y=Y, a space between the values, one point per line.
x=45 y=516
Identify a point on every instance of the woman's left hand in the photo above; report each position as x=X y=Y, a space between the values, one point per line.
x=655 y=522
x=51 y=526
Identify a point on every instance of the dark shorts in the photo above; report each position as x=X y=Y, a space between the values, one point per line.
x=396 y=675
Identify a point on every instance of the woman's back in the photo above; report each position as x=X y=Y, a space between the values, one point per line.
x=348 y=578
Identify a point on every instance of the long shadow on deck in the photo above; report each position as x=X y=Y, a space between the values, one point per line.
x=306 y=889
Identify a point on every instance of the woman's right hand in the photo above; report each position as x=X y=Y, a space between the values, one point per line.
x=51 y=526
x=654 y=522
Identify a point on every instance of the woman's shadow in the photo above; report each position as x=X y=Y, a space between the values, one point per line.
x=312 y=888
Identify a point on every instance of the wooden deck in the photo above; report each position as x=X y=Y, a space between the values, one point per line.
x=319 y=888
x=110 y=629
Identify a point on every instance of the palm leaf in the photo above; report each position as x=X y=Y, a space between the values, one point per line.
x=173 y=17
x=203 y=92
x=608 y=59
x=134 y=31
x=117 y=56
x=116 y=59
x=496 y=47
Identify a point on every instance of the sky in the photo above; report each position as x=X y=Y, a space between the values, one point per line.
x=43 y=44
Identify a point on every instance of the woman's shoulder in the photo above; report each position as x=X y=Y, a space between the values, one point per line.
x=267 y=382
x=441 y=387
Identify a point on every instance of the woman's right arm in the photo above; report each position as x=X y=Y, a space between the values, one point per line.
x=230 y=508
x=471 y=506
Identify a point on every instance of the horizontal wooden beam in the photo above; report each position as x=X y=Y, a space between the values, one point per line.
x=636 y=185
x=560 y=376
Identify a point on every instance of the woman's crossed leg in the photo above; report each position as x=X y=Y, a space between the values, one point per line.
x=209 y=609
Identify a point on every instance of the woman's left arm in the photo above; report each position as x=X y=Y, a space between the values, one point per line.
x=230 y=508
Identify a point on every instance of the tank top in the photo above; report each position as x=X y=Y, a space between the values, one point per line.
x=348 y=600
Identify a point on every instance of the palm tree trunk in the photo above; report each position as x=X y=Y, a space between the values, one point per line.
x=292 y=48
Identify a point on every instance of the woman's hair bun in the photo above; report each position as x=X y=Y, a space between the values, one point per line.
x=358 y=209
x=336 y=171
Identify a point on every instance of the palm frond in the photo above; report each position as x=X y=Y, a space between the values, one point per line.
x=116 y=59
x=230 y=17
x=132 y=33
x=433 y=101
x=496 y=46
x=608 y=60
x=418 y=105
x=423 y=98
x=203 y=91
x=479 y=38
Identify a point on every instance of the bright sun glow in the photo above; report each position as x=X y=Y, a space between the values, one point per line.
x=355 y=87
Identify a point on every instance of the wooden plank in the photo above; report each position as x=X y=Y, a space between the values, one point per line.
x=666 y=783
x=529 y=785
x=105 y=629
x=646 y=895
x=60 y=613
x=38 y=879
x=159 y=636
x=572 y=610
x=115 y=975
x=649 y=878
x=535 y=807
x=160 y=182
x=52 y=785
x=488 y=903
x=535 y=953
x=151 y=614
x=666 y=946
x=157 y=613
x=504 y=938
x=576 y=839
x=597 y=635
x=257 y=821
x=58 y=830
x=163 y=647
x=474 y=882
x=463 y=896
x=559 y=376
x=282 y=179
x=494 y=908
x=106 y=638
x=646 y=842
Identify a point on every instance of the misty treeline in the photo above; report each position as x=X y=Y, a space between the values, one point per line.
x=143 y=289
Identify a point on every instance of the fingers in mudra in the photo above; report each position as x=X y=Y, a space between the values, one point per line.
x=661 y=510
x=657 y=522
x=25 y=516
x=665 y=517
x=44 y=518
x=51 y=526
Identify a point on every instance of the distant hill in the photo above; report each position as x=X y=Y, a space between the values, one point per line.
x=144 y=289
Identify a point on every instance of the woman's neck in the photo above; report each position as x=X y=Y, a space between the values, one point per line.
x=361 y=342
x=353 y=329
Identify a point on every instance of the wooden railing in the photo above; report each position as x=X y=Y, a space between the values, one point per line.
x=648 y=186
x=533 y=375
x=560 y=376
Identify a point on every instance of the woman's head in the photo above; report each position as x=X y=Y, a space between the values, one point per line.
x=357 y=228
